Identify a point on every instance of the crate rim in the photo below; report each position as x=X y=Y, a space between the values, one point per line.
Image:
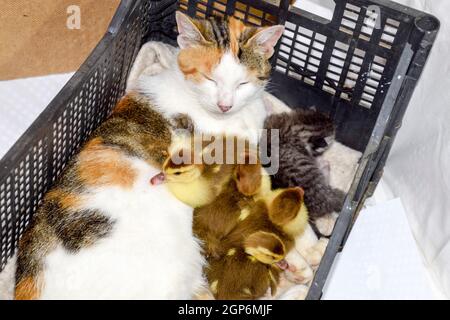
x=35 y=131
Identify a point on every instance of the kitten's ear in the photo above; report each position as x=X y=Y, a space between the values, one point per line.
x=267 y=38
x=188 y=33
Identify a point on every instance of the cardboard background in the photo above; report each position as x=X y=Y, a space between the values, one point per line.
x=35 y=40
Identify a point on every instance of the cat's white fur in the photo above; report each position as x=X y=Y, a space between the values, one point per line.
x=151 y=253
x=153 y=58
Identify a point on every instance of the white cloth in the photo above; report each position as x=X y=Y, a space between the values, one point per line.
x=21 y=102
x=378 y=260
x=418 y=169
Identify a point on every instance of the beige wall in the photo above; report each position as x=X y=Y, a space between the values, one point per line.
x=35 y=40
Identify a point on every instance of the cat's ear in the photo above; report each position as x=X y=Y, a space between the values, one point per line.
x=266 y=39
x=188 y=33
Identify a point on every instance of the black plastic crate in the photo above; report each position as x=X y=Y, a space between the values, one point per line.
x=361 y=68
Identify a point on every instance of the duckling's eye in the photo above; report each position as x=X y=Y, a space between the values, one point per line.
x=177 y=173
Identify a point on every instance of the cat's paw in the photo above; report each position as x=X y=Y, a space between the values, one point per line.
x=299 y=274
x=298 y=292
x=182 y=121
x=325 y=224
x=298 y=270
x=314 y=254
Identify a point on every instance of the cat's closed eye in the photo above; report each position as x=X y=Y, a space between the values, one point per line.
x=243 y=83
x=209 y=78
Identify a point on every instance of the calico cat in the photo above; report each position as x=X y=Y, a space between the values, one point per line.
x=305 y=135
x=219 y=76
x=102 y=232
x=100 y=228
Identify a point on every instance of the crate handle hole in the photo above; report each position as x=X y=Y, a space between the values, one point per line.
x=322 y=8
x=427 y=23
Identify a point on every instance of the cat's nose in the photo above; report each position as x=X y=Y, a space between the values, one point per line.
x=224 y=107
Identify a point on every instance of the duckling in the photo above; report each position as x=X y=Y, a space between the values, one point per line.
x=239 y=277
x=246 y=253
x=194 y=182
x=287 y=212
x=265 y=246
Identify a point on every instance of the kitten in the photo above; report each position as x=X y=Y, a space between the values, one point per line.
x=102 y=232
x=305 y=135
x=219 y=76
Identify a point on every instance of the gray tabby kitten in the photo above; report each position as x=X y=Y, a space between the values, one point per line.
x=304 y=135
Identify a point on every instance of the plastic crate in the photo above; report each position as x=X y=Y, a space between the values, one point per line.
x=361 y=68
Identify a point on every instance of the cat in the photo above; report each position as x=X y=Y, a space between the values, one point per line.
x=219 y=76
x=304 y=136
x=102 y=232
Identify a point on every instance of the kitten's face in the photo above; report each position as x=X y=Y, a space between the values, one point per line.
x=225 y=63
x=320 y=144
x=319 y=132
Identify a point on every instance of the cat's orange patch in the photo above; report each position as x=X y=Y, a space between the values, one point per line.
x=236 y=28
x=100 y=165
x=28 y=289
x=198 y=61
x=65 y=199
x=124 y=104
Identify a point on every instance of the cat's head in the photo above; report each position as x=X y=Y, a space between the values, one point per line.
x=224 y=61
